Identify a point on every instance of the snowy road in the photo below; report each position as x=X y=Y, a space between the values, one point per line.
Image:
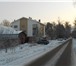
x=60 y=56
x=74 y=53
x=19 y=57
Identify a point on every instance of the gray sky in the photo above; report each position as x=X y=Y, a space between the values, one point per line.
x=37 y=0
x=46 y=11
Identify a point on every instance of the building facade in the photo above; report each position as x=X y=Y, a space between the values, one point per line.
x=30 y=26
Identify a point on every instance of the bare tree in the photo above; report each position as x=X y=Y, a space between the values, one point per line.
x=74 y=31
x=60 y=30
x=75 y=24
x=5 y=23
x=51 y=30
x=67 y=29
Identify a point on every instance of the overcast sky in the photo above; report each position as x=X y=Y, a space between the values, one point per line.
x=46 y=11
x=37 y=0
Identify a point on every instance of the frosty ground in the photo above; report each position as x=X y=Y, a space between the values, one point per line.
x=22 y=54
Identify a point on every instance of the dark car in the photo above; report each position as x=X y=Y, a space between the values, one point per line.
x=43 y=41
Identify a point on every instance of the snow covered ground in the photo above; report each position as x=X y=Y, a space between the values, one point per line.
x=24 y=53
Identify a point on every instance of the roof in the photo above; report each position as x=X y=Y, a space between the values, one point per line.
x=28 y=18
x=19 y=19
x=42 y=24
x=8 y=30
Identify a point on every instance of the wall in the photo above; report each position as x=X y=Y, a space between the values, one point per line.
x=30 y=26
x=42 y=29
x=23 y=24
x=16 y=22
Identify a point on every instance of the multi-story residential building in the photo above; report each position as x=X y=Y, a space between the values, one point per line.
x=30 y=26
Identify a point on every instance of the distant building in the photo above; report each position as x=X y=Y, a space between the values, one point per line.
x=30 y=26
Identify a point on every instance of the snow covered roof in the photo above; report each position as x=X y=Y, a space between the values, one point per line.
x=27 y=19
x=8 y=30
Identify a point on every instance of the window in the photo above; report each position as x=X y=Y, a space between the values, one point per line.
x=35 y=25
x=35 y=29
x=15 y=26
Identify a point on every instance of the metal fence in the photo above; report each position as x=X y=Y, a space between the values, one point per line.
x=8 y=36
x=8 y=40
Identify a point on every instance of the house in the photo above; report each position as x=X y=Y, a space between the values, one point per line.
x=32 y=28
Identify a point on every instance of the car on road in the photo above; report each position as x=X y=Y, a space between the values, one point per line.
x=43 y=41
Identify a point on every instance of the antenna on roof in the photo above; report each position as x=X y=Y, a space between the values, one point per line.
x=39 y=20
x=30 y=18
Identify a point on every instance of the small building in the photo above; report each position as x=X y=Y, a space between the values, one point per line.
x=31 y=27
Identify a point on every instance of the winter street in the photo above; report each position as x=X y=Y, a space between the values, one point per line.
x=37 y=32
x=24 y=53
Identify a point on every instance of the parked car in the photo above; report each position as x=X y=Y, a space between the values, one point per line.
x=43 y=41
x=60 y=39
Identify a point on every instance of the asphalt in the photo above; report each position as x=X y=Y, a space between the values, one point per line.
x=64 y=59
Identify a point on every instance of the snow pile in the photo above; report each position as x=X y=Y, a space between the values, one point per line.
x=23 y=53
x=8 y=30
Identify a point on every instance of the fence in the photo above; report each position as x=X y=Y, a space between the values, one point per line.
x=8 y=40
x=8 y=36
